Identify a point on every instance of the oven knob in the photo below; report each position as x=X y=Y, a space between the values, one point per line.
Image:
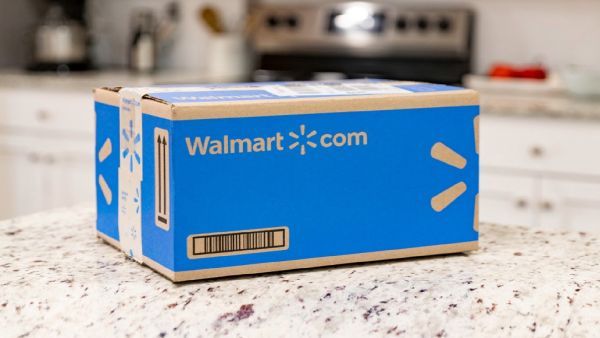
x=401 y=24
x=444 y=24
x=422 y=23
x=272 y=21
x=292 y=21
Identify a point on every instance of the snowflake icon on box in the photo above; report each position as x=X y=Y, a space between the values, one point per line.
x=131 y=152
x=303 y=139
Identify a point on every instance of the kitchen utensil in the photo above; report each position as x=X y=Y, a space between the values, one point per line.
x=142 y=49
x=211 y=18
x=60 y=42
x=228 y=57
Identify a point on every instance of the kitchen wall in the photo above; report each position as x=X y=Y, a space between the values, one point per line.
x=555 y=32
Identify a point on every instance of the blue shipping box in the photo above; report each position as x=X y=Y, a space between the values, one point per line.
x=216 y=180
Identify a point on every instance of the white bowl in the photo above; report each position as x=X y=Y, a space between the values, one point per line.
x=582 y=81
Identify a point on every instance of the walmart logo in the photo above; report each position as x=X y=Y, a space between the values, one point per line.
x=299 y=140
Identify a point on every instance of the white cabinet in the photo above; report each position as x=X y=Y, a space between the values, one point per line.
x=19 y=172
x=46 y=150
x=540 y=171
x=540 y=144
x=48 y=111
x=507 y=199
x=570 y=204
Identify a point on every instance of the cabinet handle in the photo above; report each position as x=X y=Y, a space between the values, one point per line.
x=537 y=151
x=521 y=203
x=49 y=159
x=33 y=157
x=547 y=206
x=42 y=115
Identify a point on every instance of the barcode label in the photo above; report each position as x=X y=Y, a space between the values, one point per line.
x=243 y=242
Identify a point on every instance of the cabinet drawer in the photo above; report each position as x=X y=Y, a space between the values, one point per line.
x=507 y=199
x=541 y=144
x=570 y=204
x=47 y=110
x=41 y=172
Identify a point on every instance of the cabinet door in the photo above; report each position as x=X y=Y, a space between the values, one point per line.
x=7 y=204
x=38 y=173
x=68 y=166
x=23 y=189
x=540 y=144
x=570 y=204
x=507 y=199
x=76 y=173
x=47 y=110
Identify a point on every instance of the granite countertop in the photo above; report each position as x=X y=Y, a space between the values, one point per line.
x=526 y=97
x=554 y=104
x=557 y=105
x=58 y=279
x=87 y=80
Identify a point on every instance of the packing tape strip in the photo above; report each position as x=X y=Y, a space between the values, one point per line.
x=130 y=172
x=131 y=168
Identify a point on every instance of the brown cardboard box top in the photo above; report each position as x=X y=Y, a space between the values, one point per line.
x=293 y=106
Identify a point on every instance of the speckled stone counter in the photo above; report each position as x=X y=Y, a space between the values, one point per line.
x=58 y=279
x=557 y=105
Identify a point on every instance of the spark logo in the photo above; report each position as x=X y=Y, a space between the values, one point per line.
x=447 y=155
x=300 y=140
x=306 y=142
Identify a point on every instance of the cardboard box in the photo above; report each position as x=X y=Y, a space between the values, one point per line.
x=216 y=180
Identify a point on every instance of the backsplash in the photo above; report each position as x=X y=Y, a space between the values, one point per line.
x=555 y=32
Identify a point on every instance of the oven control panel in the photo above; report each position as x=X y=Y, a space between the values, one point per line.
x=361 y=28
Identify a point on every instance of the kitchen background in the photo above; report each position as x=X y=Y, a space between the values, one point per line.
x=540 y=125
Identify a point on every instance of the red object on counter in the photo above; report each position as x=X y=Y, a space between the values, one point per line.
x=510 y=71
x=534 y=72
x=502 y=70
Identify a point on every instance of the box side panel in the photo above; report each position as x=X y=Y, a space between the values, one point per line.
x=157 y=186
x=107 y=166
x=340 y=183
